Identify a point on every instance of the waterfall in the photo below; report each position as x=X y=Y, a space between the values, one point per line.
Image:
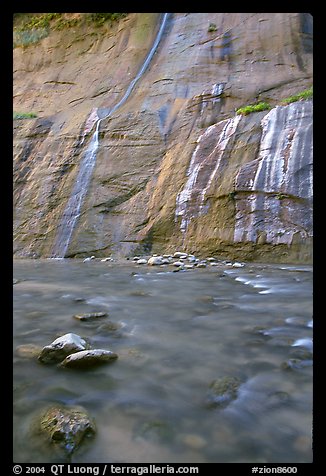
x=72 y=210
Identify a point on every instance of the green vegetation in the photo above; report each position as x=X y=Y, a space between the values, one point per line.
x=100 y=18
x=30 y=27
x=212 y=27
x=24 y=115
x=260 y=106
x=306 y=94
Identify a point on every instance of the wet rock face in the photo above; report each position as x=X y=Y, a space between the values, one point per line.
x=66 y=427
x=275 y=189
x=175 y=165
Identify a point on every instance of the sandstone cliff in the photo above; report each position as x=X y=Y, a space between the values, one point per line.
x=176 y=166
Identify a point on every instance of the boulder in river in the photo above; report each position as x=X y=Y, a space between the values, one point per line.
x=88 y=358
x=66 y=426
x=61 y=347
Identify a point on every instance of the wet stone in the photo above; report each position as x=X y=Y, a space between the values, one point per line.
x=155 y=260
x=88 y=358
x=61 y=348
x=141 y=261
x=90 y=316
x=180 y=255
x=178 y=263
x=66 y=427
x=201 y=265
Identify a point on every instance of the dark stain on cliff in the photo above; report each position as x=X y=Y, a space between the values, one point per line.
x=226 y=50
x=306 y=28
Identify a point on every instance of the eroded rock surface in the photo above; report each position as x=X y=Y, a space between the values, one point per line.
x=175 y=167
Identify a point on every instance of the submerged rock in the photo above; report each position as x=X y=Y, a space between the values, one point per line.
x=61 y=348
x=223 y=391
x=90 y=316
x=66 y=427
x=28 y=351
x=88 y=358
x=141 y=261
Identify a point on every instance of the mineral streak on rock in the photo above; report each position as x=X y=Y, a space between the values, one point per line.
x=175 y=155
x=279 y=182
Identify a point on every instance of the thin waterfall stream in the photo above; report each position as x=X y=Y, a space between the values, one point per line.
x=71 y=212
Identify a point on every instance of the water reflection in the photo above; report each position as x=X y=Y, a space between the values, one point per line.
x=174 y=333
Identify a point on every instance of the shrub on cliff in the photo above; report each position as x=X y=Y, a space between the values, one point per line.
x=245 y=110
x=24 y=115
x=303 y=95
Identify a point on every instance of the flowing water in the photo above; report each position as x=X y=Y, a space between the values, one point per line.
x=71 y=212
x=175 y=333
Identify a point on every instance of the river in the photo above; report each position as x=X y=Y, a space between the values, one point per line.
x=175 y=333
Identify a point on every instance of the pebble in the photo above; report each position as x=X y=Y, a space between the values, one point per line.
x=178 y=263
x=201 y=265
x=88 y=259
x=180 y=258
x=166 y=261
x=180 y=254
x=141 y=261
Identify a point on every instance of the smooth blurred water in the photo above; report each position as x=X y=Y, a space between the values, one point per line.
x=178 y=332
